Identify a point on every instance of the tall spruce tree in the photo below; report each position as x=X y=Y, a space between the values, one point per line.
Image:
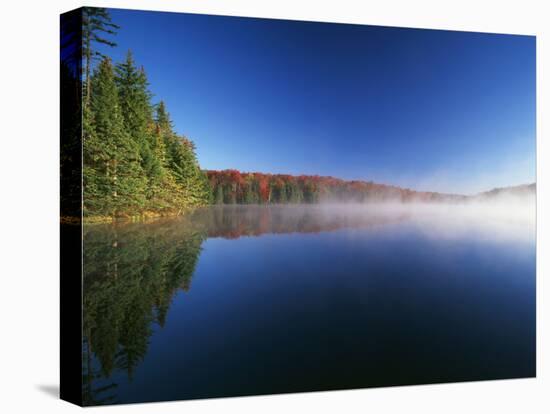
x=114 y=183
x=182 y=161
x=134 y=99
x=134 y=162
x=162 y=192
x=96 y=25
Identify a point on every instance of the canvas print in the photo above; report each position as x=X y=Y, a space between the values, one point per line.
x=259 y=206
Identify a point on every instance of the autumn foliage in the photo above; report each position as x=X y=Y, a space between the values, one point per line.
x=235 y=187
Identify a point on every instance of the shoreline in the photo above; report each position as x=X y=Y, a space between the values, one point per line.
x=152 y=216
x=140 y=218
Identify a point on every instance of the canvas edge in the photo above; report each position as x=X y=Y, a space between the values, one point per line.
x=71 y=378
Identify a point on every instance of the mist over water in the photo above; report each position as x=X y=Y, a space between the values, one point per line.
x=504 y=219
x=248 y=299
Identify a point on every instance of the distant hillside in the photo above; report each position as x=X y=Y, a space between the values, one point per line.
x=518 y=191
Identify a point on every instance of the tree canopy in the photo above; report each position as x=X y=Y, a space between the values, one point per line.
x=134 y=163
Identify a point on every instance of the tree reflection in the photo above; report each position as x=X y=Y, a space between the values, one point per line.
x=240 y=220
x=131 y=274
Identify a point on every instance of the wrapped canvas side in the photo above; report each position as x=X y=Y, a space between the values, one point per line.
x=71 y=365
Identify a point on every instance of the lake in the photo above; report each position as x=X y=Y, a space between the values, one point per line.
x=242 y=300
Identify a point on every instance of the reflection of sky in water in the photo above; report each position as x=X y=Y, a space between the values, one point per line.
x=344 y=297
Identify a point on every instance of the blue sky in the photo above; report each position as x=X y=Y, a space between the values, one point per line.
x=431 y=110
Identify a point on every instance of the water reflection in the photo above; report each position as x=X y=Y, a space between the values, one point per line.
x=132 y=272
x=237 y=221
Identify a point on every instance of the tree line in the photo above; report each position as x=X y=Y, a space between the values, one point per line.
x=235 y=187
x=135 y=164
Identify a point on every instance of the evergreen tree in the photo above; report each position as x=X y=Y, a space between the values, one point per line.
x=182 y=161
x=114 y=180
x=96 y=23
x=134 y=99
x=135 y=102
x=133 y=161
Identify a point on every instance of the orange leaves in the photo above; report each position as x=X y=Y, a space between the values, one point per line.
x=255 y=187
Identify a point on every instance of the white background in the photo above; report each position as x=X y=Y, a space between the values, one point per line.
x=29 y=291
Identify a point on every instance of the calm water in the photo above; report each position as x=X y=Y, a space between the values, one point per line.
x=251 y=300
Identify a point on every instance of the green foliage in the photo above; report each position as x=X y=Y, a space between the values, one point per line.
x=135 y=163
x=114 y=183
x=134 y=99
x=96 y=27
x=181 y=160
x=96 y=23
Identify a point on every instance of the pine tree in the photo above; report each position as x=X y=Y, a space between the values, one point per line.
x=134 y=99
x=96 y=23
x=182 y=162
x=135 y=102
x=114 y=180
x=162 y=117
x=134 y=162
